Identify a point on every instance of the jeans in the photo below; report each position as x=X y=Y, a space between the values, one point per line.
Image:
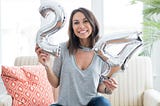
x=55 y=105
x=99 y=101
x=96 y=101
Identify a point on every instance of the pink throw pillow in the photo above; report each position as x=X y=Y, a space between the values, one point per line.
x=28 y=85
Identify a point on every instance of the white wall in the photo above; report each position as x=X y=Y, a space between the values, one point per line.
x=19 y=24
x=97 y=9
x=0 y=33
x=155 y=63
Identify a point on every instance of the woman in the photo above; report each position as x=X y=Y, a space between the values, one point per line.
x=77 y=71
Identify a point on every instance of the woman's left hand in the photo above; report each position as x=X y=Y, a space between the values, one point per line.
x=111 y=84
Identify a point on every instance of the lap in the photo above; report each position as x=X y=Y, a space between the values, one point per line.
x=99 y=101
x=55 y=105
x=96 y=101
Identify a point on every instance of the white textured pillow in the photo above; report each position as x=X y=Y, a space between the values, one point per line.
x=2 y=87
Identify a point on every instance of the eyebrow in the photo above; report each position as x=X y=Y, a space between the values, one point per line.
x=75 y=20
x=83 y=19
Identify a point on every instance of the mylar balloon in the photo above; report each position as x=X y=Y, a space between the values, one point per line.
x=117 y=49
x=53 y=12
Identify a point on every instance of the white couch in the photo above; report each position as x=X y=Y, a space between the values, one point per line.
x=135 y=84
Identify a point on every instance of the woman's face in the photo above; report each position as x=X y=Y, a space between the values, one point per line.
x=81 y=26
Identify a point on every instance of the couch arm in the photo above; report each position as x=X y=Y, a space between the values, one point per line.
x=151 y=98
x=5 y=100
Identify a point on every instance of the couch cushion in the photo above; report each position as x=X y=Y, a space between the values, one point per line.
x=28 y=85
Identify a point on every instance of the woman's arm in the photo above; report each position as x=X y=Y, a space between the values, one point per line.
x=52 y=78
x=109 y=83
x=44 y=59
x=113 y=70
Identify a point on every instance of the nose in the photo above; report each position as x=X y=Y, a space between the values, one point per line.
x=81 y=25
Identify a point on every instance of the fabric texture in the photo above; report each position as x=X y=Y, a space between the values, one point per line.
x=28 y=85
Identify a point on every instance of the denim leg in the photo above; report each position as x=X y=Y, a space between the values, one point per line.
x=55 y=105
x=99 y=101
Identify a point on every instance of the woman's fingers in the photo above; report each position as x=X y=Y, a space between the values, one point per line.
x=43 y=56
x=36 y=48
x=111 y=84
x=108 y=85
x=113 y=81
x=39 y=51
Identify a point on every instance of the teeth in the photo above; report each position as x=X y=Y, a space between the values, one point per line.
x=81 y=32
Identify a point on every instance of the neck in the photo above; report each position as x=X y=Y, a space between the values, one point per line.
x=84 y=43
x=84 y=48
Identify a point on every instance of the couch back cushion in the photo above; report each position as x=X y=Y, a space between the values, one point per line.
x=28 y=85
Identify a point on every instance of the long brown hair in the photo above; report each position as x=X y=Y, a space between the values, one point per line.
x=73 y=42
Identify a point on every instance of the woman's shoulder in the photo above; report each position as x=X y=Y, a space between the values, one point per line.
x=63 y=45
x=63 y=49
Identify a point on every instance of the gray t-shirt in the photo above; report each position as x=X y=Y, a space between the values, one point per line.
x=77 y=87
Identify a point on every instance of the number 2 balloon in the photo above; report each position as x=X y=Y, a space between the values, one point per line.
x=53 y=12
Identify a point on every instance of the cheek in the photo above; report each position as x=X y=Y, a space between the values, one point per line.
x=91 y=30
x=74 y=29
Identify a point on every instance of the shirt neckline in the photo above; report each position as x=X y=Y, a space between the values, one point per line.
x=75 y=64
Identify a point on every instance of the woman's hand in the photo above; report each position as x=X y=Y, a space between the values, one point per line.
x=111 y=84
x=43 y=57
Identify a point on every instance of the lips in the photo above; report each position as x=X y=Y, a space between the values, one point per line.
x=83 y=31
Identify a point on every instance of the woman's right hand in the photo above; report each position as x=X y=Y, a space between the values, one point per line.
x=43 y=57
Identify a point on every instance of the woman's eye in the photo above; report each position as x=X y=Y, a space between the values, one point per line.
x=76 y=23
x=85 y=21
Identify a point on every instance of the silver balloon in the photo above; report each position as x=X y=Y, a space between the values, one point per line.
x=55 y=15
x=126 y=44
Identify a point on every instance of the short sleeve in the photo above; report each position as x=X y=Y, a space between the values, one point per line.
x=57 y=62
